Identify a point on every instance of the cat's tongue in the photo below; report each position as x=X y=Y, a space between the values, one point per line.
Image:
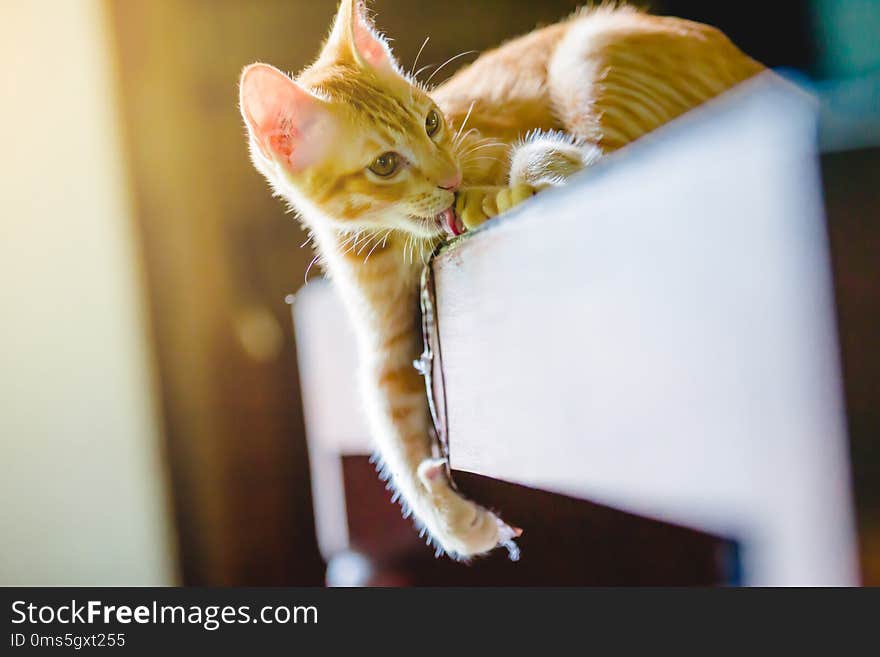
x=453 y=224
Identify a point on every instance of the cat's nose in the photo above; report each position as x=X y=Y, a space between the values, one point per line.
x=451 y=183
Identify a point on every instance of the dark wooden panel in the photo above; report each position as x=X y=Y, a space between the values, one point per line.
x=569 y=542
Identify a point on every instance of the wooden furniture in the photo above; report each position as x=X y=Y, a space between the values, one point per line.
x=657 y=337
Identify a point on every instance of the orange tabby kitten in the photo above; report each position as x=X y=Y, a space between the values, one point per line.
x=380 y=169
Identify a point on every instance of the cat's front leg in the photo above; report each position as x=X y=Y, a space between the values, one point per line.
x=542 y=160
x=397 y=412
x=396 y=407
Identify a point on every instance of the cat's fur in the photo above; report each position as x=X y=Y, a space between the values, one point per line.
x=522 y=117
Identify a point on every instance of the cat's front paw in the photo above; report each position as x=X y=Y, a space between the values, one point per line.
x=460 y=527
x=475 y=205
x=512 y=196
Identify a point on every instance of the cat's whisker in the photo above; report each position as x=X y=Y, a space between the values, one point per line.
x=403 y=248
x=374 y=237
x=483 y=140
x=365 y=244
x=469 y=153
x=478 y=142
x=449 y=61
x=425 y=67
x=419 y=54
x=479 y=147
x=464 y=123
x=351 y=243
x=458 y=144
x=481 y=157
x=412 y=247
x=366 y=241
x=378 y=243
x=486 y=139
x=370 y=241
x=343 y=245
x=477 y=157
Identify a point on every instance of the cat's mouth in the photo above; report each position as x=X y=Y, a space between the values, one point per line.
x=450 y=222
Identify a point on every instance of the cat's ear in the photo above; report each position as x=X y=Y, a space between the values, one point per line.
x=285 y=121
x=354 y=32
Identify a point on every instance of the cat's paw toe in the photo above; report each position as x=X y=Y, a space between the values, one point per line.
x=473 y=530
x=474 y=205
x=509 y=197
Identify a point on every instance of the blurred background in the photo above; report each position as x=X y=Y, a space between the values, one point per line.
x=151 y=429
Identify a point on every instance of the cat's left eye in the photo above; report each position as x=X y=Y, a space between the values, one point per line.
x=432 y=123
x=386 y=164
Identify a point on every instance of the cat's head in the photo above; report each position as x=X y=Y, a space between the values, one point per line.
x=353 y=137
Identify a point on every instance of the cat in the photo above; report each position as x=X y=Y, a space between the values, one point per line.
x=381 y=169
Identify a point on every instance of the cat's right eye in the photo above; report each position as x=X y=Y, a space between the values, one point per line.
x=432 y=123
x=386 y=164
